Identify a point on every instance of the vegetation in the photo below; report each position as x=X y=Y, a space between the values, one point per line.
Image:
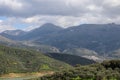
x=107 y=70
x=70 y=59
x=17 y=60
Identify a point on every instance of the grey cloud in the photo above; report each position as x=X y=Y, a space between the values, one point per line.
x=62 y=12
x=42 y=7
x=111 y=12
x=25 y=8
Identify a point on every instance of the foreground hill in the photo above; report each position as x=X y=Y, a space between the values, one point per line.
x=108 y=70
x=70 y=59
x=17 y=60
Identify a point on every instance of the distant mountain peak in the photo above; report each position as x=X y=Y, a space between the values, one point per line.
x=50 y=25
x=46 y=28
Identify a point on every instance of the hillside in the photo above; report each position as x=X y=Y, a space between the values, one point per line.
x=115 y=54
x=28 y=45
x=4 y=39
x=70 y=59
x=17 y=60
x=107 y=70
x=40 y=47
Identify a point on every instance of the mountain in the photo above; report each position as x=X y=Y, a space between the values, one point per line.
x=70 y=59
x=42 y=31
x=40 y=47
x=4 y=40
x=15 y=60
x=13 y=34
x=101 y=38
x=34 y=34
x=28 y=45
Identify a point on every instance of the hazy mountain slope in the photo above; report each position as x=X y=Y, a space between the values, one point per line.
x=70 y=59
x=4 y=40
x=13 y=34
x=41 y=32
x=115 y=54
x=80 y=52
x=18 y=60
x=34 y=34
x=41 y=47
x=27 y=45
x=101 y=38
x=90 y=54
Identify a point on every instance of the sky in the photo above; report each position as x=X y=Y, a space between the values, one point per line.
x=30 y=14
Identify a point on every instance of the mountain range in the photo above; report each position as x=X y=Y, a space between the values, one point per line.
x=100 y=38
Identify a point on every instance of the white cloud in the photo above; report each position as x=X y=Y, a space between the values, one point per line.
x=64 y=13
x=24 y=8
x=13 y=4
x=5 y=27
x=34 y=19
x=112 y=3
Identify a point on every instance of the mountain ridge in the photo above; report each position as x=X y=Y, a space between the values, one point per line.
x=102 y=38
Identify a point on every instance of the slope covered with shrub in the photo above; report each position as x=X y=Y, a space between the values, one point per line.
x=71 y=59
x=18 y=60
x=108 y=70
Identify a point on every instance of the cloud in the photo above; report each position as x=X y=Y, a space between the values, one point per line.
x=4 y=26
x=24 y=8
x=34 y=13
